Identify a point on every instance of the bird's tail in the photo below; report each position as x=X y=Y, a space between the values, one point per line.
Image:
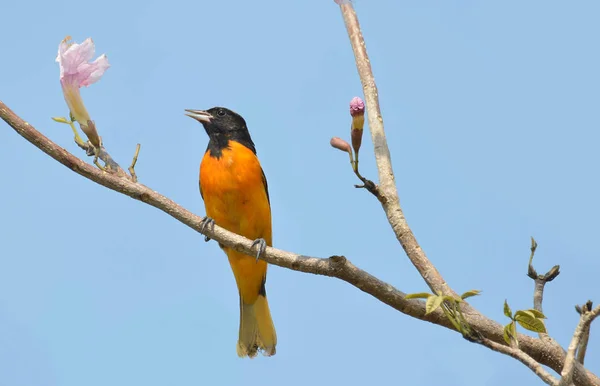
x=257 y=331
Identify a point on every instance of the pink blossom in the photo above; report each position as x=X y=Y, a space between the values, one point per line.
x=76 y=71
x=75 y=66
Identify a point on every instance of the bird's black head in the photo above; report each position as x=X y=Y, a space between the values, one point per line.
x=222 y=125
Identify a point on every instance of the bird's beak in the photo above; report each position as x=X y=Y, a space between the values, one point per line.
x=199 y=115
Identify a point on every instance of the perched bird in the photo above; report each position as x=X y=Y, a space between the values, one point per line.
x=236 y=197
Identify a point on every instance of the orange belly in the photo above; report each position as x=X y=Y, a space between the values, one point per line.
x=236 y=198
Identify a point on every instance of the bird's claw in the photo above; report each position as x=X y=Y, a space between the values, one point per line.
x=204 y=224
x=262 y=246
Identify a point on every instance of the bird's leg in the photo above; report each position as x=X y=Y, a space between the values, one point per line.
x=262 y=246
x=207 y=222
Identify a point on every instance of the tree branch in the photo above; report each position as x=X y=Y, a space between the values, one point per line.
x=389 y=194
x=336 y=266
x=586 y=319
x=521 y=357
x=550 y=355
x=387 y=186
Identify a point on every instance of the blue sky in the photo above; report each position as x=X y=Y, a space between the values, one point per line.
x=491 y=114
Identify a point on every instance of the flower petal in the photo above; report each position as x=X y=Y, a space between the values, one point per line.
x=93 y=71
x=76 y=55
x=357 y=106
x=62 y=48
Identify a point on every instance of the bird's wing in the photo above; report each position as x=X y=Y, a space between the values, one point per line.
x=264 y=178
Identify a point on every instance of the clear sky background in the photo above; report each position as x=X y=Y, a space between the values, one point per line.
x=491 y=112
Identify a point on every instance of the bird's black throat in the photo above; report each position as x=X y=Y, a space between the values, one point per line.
x=220 y=141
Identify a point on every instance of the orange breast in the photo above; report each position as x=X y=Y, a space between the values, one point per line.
x=234 y=192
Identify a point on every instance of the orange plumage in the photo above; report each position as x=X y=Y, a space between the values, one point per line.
x=235 y=193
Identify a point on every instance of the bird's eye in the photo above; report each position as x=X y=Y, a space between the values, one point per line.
x=221 y=113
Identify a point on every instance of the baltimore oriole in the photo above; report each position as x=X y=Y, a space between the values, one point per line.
x=236 y=197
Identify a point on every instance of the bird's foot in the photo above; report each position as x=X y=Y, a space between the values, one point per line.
x=204 y=224
x=262 y=246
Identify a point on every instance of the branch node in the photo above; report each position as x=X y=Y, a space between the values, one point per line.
x=370 y=186
x=338 y=259
x=531 y=272
x=587 y=307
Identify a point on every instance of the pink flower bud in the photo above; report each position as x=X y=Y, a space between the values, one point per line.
x=340 y=144
x=357 y=107
x=357 y=111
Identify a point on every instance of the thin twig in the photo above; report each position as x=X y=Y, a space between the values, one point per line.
x=581 y=351
x=586 y=319
x=540 y=281
x=387 y=186
x=133 y=162
x=521 y=357
x=586 y=333
x=367 y=184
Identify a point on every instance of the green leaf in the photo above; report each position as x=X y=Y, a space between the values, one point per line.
x=420 y=295
x=60 y=120
x=470 y=293
x=537 y=313
x=510 y=333
x=433 y=303
x=507 y=310
x=530 y=323
x=524 y=313
x=507 y=333
x=513 y=331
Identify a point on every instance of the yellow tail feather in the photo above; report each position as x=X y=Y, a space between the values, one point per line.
x=257 y=332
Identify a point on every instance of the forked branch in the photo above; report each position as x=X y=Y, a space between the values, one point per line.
x=587 y=317
x=340 y=268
